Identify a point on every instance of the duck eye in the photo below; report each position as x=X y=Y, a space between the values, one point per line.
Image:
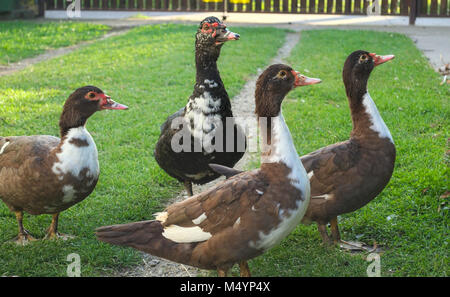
x=92 y=95
x=206 y=26
x=282 y=73
x=363 y=58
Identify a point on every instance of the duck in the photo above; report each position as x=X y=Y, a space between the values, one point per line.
x=43 y=174
x=240 y=217
x=348 y=175
x=206 y=116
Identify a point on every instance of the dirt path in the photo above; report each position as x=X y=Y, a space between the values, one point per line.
x=53 y=53
x=243 y=105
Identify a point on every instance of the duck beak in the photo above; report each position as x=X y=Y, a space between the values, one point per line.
x=378 y=60
x=301 y=80
x=232 y=36
x=227 y=36
x=108 y=103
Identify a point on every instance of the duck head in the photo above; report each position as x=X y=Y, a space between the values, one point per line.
x=212 y=34
x=82 y=104
x=357 y=69
x=274 y=84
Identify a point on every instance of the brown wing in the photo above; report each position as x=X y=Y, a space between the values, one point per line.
x=329 y=165
x=221 y=205
x=20 y=149
x=22 y=160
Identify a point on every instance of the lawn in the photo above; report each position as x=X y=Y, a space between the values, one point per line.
x=23 y=39
x=408 y=219
x=150 y=69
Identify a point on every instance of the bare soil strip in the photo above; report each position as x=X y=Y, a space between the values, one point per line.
x=53 y=53
x=243 y=105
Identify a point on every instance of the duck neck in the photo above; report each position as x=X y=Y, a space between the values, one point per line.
x=70 y=119
x=206 y=65
x=277 y=144
x=278 y=149
x=209 y=96
x=367 y=121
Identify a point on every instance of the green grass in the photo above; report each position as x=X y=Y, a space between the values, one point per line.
x=23 y=39
x=416 y=109
x=150 y=69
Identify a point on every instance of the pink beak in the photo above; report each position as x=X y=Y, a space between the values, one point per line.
x=301 y=80
x=232 y=36
x=108 y=103
x=378 y=60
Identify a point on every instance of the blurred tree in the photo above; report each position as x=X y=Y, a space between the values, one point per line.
x=14 y=9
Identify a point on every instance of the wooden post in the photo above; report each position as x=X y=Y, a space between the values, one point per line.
x=41 y=8
x=413 y=12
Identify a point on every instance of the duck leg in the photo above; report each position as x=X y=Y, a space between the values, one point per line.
x=244 y=269
x=324 y=234
x=52 y=231
x=24 y=236
x=335 y=234
x=188 y=187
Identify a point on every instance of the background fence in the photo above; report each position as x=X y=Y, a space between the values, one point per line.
x=413 y=8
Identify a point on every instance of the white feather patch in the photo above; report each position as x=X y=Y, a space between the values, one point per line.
x=69 y=193
x=197 y=176
x=185 y=234
x=310 y=174
x=73 y=159
x=200 y=219
x=161 y=216
x=3 y=148
x=325 y=196
x=211 y=83
x=278 y=233
x=378 y=124
x=237 y=222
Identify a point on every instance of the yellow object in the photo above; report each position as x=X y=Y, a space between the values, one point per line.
x=231 y=1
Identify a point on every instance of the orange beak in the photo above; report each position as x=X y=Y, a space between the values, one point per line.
x=378 y=60
x=301 y=80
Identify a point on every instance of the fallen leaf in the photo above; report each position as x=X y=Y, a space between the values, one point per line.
x=445 y=195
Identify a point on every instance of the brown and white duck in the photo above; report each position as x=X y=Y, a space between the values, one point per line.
x=243 y=216
x=203 y=116
x=43 y=174
x=346 y=176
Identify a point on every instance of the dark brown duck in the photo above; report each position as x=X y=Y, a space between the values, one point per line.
x=202 y=117
x=346 y=176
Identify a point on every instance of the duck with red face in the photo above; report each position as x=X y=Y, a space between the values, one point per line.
x=204 y=116
x=43 y=174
